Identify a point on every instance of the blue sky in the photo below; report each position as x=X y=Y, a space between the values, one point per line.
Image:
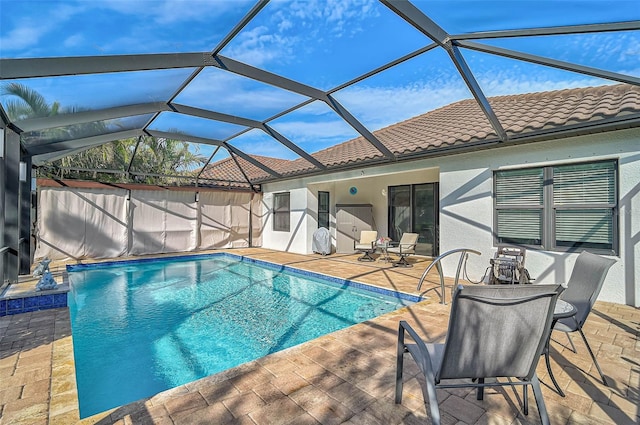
x=321 y=43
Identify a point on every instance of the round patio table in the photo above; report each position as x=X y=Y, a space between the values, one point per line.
x=383 y=246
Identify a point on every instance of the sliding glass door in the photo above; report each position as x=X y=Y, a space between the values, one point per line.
x=414 y=208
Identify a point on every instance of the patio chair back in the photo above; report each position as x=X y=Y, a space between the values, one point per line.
x=585 y=283
x=408 y=242
x=367 y=237
x=497 y=331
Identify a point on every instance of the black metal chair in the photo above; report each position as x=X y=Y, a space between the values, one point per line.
x=583 y=288
x=495 y=332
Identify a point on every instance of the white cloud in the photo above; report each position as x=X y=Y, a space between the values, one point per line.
x=297 y=27
x=259 y=46
x=378 y=107
x=175 y=11
x=22 y=37
x=28 y=32
x=73 y=41
x=307 y=131
x=309 y=136
x=224 y=92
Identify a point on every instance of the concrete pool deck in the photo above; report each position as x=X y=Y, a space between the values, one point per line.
x=346 y=377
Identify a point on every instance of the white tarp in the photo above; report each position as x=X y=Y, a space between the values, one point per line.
x=108 y=223
x=163 y=221
x=224 y=219
x=81 y=223
x=258 y=212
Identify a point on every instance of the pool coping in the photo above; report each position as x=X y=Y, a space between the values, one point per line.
x=277 y=267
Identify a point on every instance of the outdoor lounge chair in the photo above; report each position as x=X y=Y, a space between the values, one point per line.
x=366 y=245
x=494 y=332
x=583 y=288
x=406 y=247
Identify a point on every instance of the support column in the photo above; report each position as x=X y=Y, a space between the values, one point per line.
x=24 y=251
x=2 y=180
x=11 y=203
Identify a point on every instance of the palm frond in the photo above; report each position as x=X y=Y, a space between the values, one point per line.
x=36 y=102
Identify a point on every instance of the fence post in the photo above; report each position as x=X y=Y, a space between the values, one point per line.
x=25 y=217
x=11 y=203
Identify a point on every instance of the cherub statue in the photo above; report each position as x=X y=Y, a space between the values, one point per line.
x=41 y=268
x=46 y=281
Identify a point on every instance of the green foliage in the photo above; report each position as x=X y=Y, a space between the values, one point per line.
x=151 y=160
x=26 y=103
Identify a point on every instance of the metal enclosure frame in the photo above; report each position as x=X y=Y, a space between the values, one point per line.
x=15 y=221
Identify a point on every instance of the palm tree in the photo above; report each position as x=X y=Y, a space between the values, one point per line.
x=26 y=103
x=162 y=157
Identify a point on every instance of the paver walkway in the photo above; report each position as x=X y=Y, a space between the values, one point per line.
x=346 y=377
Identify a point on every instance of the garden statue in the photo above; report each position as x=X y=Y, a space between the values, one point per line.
x=46 y=281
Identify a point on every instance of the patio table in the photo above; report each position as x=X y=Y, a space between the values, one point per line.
x=383 y=247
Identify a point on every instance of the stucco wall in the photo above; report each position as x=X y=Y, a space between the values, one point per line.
x=466 y=203
x=296 y=239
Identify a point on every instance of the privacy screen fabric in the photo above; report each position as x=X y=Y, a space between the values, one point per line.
x=224 y=219
x=258 y=210
x=109 y=223
x=81 y=223
x=163 y=221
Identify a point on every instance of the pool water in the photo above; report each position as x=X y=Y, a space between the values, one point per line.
x=143 y=327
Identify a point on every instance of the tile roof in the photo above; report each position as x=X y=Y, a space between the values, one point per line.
x=459 y=124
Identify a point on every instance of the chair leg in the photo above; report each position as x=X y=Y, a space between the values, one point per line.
x=593 y=357
x=573 y=347
x=433 y=402
x=366 y=256
x=553 y=378
x=537 y=393
x=525 y=400
x=402 y=262
x=480 y=390
x=399 y=366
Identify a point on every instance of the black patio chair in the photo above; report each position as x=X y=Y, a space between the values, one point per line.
x=496 y=336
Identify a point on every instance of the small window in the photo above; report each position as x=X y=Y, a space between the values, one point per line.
x=281 y=212
x=323 y=209
x=561 y=207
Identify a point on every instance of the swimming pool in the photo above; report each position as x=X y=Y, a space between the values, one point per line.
x=145 y=326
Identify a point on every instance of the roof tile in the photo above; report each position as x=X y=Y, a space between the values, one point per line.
x=457 y=124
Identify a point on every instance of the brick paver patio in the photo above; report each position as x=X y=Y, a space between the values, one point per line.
x=346 y=377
